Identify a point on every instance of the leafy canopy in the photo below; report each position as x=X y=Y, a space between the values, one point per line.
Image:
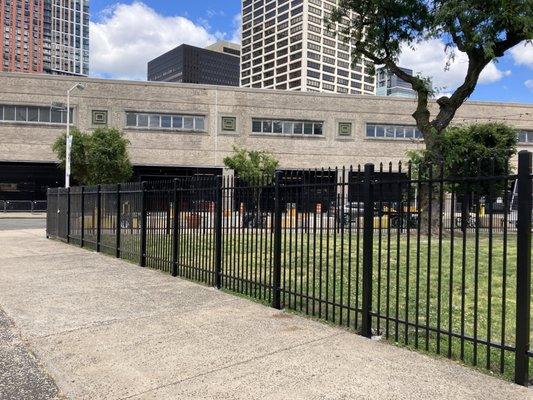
x=252 y=166
x=473 y=150
x=483 y=29
x=78 y=161
x=100 y=157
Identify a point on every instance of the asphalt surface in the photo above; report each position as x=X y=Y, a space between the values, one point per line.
x=9 y=224
x=107 y=329
x=21 y=375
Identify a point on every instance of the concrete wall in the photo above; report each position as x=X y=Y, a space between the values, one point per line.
x=28 y=142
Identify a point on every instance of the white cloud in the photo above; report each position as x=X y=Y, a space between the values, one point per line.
x=237 y=28
x=529 y=84
x=523 y=54
x=430 y=59
x=491 y=73
x=129 y=35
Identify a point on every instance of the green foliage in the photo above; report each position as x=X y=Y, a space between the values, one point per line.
x=107 y=157
x=100 y=157
x=471 y=150
x=252 y=166
x=78 y=165
x=482 y=29
x=384 y=26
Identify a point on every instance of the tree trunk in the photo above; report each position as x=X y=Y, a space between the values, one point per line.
x=429 y=209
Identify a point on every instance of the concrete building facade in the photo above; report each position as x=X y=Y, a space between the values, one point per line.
x=287 y=45
x=175 y=128
x=225 y=47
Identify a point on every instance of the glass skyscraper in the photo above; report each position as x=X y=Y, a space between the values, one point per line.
x=45 y=36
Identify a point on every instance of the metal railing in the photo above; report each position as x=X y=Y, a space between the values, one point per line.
x=7 y=206
x=440 y=264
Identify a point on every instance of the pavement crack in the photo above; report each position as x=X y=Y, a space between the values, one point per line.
x=236 y=364
x=112 y=321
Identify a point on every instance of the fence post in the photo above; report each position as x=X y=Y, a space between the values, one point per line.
x=276 y=270
x=118 y=226
x=218 y=231
x=58 y=212
x=98 y=217
x=523 y=268
x=175 y=227
x=368 y=249
x=142 y=261
x=82 y=223
x=47 y=213
x=68 y=215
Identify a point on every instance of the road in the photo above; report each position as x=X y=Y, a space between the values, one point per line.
x=8 y=224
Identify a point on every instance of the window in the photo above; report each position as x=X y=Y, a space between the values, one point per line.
x=188 y=123
x=56 y=116
x=165 y=121
x=525 y=137
x=287 y=127
x=33 y=115
x=392 y=131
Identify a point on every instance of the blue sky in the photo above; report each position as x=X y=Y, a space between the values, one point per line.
x=218 y=13
x=125 y=35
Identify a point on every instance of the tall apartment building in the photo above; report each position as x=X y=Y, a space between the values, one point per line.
x=45 y=36
x=287 y=45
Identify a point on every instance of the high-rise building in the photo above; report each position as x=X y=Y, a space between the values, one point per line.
x=70 y=37
x=287 y=45
x=389 y=84
x=45 y=36
x=216 y=65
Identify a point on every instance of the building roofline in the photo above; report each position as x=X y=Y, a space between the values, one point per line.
x=233 y=88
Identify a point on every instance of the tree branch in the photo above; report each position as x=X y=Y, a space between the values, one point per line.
x=478 y=60
x=422 y=114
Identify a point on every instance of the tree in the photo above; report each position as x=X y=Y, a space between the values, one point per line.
x=107 y=157
x=100 y=157
x=475 y=150
x=255 y=167
x=78 y=163
x=478 y=150
x=483 y=29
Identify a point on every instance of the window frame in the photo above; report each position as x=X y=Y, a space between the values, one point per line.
x=384 y=131
x=153 y=121
x=288 y=127
x=33 y=115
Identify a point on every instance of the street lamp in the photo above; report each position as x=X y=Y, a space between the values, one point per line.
x=80 y=87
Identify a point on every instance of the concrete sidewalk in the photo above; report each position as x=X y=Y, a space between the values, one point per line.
x=22 y=215
x=106 y=329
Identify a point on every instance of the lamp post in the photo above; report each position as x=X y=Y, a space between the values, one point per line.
x=78 y=86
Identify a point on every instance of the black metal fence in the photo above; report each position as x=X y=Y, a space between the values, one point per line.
x=437 y=263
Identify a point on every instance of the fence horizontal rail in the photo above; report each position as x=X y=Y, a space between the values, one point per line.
x=433 y=262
